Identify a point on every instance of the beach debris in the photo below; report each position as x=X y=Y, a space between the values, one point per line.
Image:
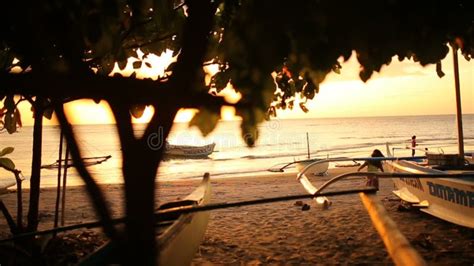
x=305 y=207
x=69 y=248
x=404 y=206
x=298 y=203
x=424 y=240
x=326 y=205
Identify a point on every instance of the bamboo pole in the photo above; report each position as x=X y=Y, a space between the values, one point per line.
x=63 y=198
x=58 y=188
x=458 y=101
x=172 y=212
x=307 y=145
x=400 y=250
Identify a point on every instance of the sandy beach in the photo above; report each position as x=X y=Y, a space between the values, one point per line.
x=282 y=233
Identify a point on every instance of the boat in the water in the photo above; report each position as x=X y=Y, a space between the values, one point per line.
x=448 y=198
x=5 y=184
x=178 y=236
x=188 y=151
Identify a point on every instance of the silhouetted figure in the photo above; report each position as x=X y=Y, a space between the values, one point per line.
x=413 y=145
x=373 y=166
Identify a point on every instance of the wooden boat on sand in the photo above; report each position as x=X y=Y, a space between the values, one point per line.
x=448 y=198
x=178 y=237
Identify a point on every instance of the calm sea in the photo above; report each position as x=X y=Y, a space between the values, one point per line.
x=280 y=141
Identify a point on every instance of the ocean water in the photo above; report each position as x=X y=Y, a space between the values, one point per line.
x=280 y=141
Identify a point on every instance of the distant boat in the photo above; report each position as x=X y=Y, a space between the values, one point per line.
x=316 y=169
x=5 y=183
x=187 y=151
x=87 y=161
x=448 y=198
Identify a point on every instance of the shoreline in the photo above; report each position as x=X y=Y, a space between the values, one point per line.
x=281 y=232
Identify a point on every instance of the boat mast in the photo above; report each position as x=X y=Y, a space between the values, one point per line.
x=307 y=144
x=458 y=101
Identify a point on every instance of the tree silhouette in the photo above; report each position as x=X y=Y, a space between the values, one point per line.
x=67 y=49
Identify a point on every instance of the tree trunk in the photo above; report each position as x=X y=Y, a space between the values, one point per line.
x=35 y=168
x=140 y=207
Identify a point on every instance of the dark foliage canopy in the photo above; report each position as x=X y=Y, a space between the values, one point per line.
x=60 y=44
x=55 y=51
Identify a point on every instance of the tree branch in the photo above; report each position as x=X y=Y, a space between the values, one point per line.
x=124 y=126
x=94 y=191
x=195 y=40
x=157 y=39
x=8 y=217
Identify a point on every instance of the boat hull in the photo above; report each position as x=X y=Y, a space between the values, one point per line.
x=189 y=151
x=181 y=241
x=178 y=241
x=317 y=169
x=450 y=199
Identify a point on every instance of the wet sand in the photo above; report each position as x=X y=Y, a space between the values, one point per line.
x=283 y=233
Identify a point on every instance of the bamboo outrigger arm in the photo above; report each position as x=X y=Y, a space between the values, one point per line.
x=400 y=250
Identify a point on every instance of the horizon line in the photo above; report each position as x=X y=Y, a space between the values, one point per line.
x=294 y=118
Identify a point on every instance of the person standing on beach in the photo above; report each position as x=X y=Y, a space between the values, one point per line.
x=413 y=145
x=373 y=166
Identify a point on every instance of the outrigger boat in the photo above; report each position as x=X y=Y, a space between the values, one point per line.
x=311 y=189
x=316 y=169
x=187 y=151
x=178 y=236
x=448 y=198
x=87 y=161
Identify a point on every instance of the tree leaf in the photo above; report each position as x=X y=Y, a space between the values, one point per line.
x=337 y=68
x=7 y=164
x=10 y=122
x=18 y=117
x=137 y=110
x=6 y=151
x=249 y=131
x=137 y=64
x=48 y=113
x=304 y=108
x=9 y=103
x=206 y=120
x=439 y=69
x=122 y=60
x=122 y=64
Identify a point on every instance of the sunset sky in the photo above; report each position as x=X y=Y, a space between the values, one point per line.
x=402 y=88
